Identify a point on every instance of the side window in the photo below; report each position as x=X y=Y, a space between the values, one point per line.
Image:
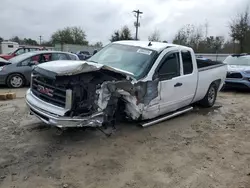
x=33 y=49
x=72 y=57
x=45 y=58
x=20 y=51
x=170 y=67
x=26 y=62
x=187 y=62
x=59 y=56
x=35 y=59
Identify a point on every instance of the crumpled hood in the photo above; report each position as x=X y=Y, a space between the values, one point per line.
x=238 y=68
x=64 y=67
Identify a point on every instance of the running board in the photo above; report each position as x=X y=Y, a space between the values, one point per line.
x=171 y=115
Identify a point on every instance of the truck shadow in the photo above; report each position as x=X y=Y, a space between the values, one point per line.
x=206 y=111
x=71 y=135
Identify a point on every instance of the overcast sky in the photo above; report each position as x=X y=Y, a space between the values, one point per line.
x=99 y=18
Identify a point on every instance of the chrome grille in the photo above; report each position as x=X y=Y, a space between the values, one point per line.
x=47 y=90
x=235 y=75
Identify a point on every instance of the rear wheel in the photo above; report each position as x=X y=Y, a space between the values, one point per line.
x=209 y=99
x=15 y=81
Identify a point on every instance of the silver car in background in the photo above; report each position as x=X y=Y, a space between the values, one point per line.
x=238 y=71
x=18 y=73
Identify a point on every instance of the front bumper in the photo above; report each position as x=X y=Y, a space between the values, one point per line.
x=237 y=83
x=49 y=117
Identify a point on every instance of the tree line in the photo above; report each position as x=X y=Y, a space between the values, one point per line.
x=67 y=35
x=196 y=36
x=189 y=35
x=239 y=42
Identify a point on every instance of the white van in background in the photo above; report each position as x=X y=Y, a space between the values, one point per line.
x=8 y=47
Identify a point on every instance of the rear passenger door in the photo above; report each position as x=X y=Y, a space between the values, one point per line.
x=189 y=77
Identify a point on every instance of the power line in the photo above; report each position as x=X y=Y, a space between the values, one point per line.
x=137 y=24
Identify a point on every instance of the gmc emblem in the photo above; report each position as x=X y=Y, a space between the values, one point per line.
x=45 y=90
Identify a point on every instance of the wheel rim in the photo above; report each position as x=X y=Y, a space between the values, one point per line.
x=16 y=81
x=211 y=95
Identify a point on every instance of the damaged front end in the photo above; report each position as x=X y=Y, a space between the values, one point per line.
x=87 y=96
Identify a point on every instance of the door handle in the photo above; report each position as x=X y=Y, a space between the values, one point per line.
x=178 y=84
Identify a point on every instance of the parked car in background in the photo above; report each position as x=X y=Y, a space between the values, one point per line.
x=83 y=55
x=20 y=51
x=238 y=73
x=18 y=73
x=3 y=62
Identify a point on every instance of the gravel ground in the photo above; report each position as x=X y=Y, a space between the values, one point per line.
x=205 y=148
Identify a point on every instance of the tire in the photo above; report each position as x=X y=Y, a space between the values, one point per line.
x=15 y=81
x=210 y=97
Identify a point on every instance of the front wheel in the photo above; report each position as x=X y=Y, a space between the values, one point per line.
x=15 y=81
x=209 y=99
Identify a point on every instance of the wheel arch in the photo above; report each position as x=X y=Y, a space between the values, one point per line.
x=217 y=83
x=7 y=77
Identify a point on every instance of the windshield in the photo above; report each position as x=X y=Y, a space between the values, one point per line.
x=128 y=58
x=21 y=57
x=241 y=60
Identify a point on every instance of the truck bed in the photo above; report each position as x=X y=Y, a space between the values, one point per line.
x=208 y=72
x=205 y=64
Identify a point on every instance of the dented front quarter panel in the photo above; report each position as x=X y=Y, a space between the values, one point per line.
x=148 y=108
x=141 y=97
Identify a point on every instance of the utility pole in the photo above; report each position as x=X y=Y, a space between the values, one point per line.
x=40 y=38
x=206 y=27
x=137 y=24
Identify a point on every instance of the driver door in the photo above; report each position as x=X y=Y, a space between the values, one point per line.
x=169 y=73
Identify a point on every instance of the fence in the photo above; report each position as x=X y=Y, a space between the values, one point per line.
x=214 y=57
x=74 y=48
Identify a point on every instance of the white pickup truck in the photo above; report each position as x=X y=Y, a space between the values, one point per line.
x=139 y=80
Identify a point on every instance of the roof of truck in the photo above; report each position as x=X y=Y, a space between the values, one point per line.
x=157 y=46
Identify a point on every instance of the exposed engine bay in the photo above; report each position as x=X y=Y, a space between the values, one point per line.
x=114 y=94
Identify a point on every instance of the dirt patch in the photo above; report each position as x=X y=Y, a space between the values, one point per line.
x=204 y=148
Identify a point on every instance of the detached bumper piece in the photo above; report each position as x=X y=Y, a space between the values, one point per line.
x=94 y=120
